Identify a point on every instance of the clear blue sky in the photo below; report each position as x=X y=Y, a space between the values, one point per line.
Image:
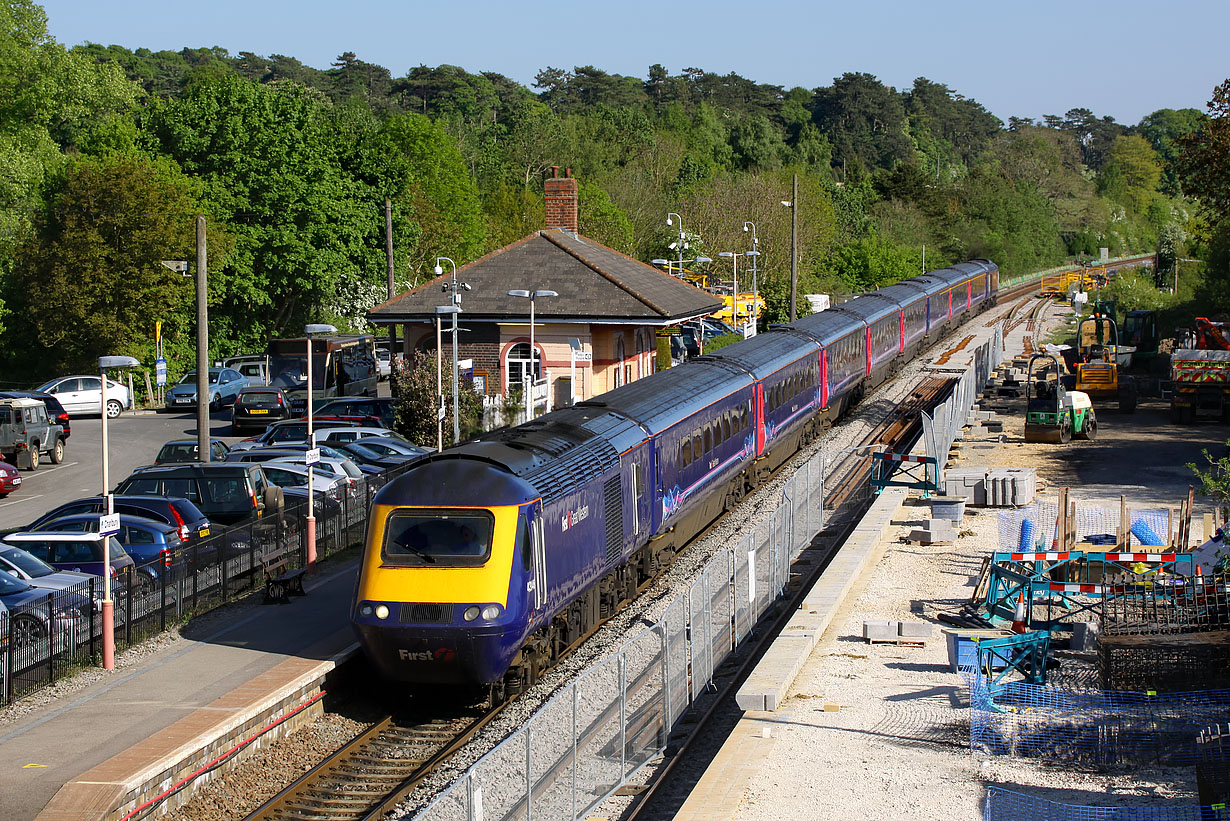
x=1125 y=58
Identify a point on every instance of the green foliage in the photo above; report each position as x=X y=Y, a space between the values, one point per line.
x=416 y=402
x=1134 y=289
x=719 y=342
x=1164 y=129
x=872 y=262
x=90 y=281
x=1131 y=173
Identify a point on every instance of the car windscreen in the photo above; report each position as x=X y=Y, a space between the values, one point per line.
x=363 y=451
x=190 y=378
x=23 y=561
x=455 y=538
x=9 y=585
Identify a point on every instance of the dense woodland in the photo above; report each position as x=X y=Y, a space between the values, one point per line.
x=111 y=153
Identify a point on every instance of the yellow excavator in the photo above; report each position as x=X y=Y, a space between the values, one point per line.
x=1099 y=372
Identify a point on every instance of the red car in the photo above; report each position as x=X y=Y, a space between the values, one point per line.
x=10 y=479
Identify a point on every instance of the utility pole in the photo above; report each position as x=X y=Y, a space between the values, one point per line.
x=388 y=253
x=794 y=248
x=202 y=343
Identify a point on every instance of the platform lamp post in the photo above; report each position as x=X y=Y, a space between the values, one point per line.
x=456 y=288
x=793 y=205
x=309 y=331
x=755 y=255
x=533 y=296
x=441 y=312
x=108 y=607
x=681 y=243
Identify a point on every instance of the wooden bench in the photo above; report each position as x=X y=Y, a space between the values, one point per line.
x=280 y=582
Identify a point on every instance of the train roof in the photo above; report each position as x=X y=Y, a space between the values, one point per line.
x=661 y=400
x=826 y=327
x=930 y=283
x=767 y=353
x=548 y=457
x=903 y=293
x=870 y=307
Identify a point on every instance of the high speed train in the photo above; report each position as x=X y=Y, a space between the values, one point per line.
x=484 y=561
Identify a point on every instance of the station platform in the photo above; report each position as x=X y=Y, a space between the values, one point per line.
x=249 y=672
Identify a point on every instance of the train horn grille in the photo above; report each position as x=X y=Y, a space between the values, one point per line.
x=412 y=613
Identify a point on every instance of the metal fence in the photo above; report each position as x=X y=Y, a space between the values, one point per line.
x=600 y=729
x=48 y=640
x=1006 y=805
x=942 y=426
x=1091 y=522
x=1090 y=727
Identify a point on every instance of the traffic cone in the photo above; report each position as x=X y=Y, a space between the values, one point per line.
x=1018 y=618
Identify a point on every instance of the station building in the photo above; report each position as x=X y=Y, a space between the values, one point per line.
x=597 y=334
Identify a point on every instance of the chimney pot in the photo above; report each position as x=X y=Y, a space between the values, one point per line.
x=555 y=172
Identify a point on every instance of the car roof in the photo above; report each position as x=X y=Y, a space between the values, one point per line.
x=191 y=468
x=51 y=536
x=191 y=441
x=127 y=518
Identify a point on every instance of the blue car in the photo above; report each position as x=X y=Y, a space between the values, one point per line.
x=154 y=546
x=224 y=385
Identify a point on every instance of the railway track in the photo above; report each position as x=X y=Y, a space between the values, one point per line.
x=372 y=774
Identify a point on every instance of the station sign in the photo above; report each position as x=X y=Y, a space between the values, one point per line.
x=160 y=372
x=109 y=524
x=311 y=456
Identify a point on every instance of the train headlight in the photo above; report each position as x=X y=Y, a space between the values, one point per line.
x=365 y=610
x=491 y=612
x=382 y=611
x=471 y=613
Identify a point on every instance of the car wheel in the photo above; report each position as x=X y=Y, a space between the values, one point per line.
x=215 y=403
x=27 y=633
x=114 y=408
x=34 y=456
x=57 y=452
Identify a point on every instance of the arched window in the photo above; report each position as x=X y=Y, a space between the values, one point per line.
x=619 y=361
x=517 y=364
x=640 y=355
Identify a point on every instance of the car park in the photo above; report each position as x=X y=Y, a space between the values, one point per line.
x=26 y=433
x=55 y=411
x=188 y=450
x=227 y=492
x=188 y=520
x=365 y=410
x=28 y=568
x=258 y=408
x=154 y=546
x=224 y=385
x=83 y=394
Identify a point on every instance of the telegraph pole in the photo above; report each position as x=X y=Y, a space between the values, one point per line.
x=388 y=253
x=202 y=343
x=794 y=247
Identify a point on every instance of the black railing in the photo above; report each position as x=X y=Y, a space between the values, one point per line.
x=52 y=637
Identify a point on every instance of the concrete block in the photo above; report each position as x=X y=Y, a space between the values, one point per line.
x=831 y=707
x=880 y=630
x=967 y=482
x=1010 y=487
x=914 y=629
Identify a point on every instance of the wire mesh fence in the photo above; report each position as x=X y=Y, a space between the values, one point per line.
x=1034 y=527
x=1197 y=605
x=943 y=424
x=599 y=730
x=1090 y=727
x=1007 y=805
x=48 y=638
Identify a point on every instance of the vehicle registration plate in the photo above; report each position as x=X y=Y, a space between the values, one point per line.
x=258 y=411
x=203 y=532
x=16 y=481
x=182 y=401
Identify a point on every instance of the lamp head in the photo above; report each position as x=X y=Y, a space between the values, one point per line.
x=521 y=292
x=726 y=254
x=703 y=260
x=669 y=221
x=545 y=292
x=745 y=227
x=787 y=203
x=751 y=253
x=437 y=270
x=658 y=262
x=320 y=328
x=105 y=362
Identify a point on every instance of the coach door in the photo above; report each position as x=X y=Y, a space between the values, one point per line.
x=537 y=583
x=758 y=416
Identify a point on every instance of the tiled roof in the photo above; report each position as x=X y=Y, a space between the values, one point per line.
x=594 y=283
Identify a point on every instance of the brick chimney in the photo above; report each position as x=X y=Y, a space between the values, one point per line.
x=560 y=194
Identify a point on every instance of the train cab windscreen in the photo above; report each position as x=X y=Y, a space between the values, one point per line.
x=446 y=538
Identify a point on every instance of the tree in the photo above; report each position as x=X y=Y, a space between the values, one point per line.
x=416 y=403
x=865 y=121
x=1204 y=164
x=1132 y=165
x=90 y=281
x=1164 y=129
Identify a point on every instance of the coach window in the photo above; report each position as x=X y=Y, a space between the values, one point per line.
x=527 y=545
x=697 y=446
x=725 y=426
x=708 y=439
x=685 y=452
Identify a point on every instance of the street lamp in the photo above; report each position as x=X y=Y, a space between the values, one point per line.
x=532 y=296
x=733 y=256
x=755 y=255
x=455 y=288
x=108 y=607
x=793 y=205
x=441 y=312
x=681 y=244
x=311 y=458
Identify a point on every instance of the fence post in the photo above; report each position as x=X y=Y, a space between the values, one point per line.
x=574 y=750
x=93 y=614
x=623 y=718
x=529 y=770
x=666 y=680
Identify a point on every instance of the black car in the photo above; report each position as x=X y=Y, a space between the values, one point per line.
x=256 y=408
x=188 y=520
x=56 y=414
x=188 y=450
x=226 y=492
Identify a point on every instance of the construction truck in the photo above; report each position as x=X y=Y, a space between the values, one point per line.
x=1200 y=374
x=1053 y=414
x=1100 y=363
